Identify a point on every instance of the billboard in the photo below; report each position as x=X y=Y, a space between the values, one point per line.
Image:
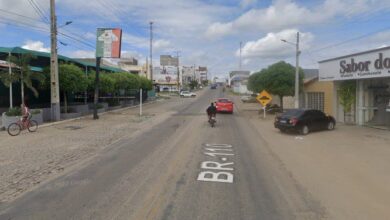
x=168 y=60
x=165 y=75
x=370 y=64
x=108 y=42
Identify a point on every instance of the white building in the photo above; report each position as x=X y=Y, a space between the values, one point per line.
x=370 y=71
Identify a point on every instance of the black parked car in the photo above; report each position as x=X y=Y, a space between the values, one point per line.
x=304 y=121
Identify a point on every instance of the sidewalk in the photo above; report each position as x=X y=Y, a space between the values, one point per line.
x=347 y=169
x=31 y=158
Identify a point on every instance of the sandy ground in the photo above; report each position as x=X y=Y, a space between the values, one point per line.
x=31 y=158
x=347 y=169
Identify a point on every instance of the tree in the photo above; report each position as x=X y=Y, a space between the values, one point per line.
x=71 y=80
x=106 y=82
x=193 y=84
x=22 y=73
x=145 y=84
x=278 y=79
x=347 y=96
x=125 y=82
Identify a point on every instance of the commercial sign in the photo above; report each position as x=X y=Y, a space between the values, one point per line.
x=108 y=42
x=370 y=64
x=264 y=98
x=165 y=75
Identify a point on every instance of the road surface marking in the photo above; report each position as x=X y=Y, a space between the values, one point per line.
x=209 y=168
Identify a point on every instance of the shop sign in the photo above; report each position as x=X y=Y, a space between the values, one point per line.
x=366 y=65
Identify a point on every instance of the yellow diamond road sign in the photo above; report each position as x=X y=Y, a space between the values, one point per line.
x=264 y=98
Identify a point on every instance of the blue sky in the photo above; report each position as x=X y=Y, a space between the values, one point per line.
x=207 y=32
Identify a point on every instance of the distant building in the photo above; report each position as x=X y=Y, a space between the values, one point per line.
x=131 y=66
x=238 y=80
x=202 y=74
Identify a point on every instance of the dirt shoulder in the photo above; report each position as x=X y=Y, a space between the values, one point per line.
x=345 y=169
x=31 y=158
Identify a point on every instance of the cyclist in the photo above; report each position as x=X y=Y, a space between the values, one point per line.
x=211 y=111
x=25 y=112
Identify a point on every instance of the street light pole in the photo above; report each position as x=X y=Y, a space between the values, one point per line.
x=296 y=92
x=151 y=51
x=296 y=101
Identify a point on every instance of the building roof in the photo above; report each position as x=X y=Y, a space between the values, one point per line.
x=355 y=54
x=43 y=58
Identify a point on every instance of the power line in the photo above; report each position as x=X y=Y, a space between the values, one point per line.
x=39 y=11
x=350 y=40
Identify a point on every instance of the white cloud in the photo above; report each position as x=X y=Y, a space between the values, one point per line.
x=83 y=54
x=22 y=13
x=286 y=13
x=271 y=46
x=35 y=45
x=161 y=44
x=217 y=30
x=247 y=3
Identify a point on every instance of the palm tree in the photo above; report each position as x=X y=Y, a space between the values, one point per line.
x=22 y=72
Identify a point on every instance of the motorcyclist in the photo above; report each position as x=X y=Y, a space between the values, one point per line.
x=211 y=111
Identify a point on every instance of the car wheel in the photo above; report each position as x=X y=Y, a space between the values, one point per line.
x=331 y=125
x=304 y=130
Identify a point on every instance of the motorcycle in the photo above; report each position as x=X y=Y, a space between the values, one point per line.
x=212 y=121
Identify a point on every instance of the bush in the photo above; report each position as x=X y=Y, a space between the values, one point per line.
x=36 y=112
x=113 y=102
x=99 y=106
x=14 y=112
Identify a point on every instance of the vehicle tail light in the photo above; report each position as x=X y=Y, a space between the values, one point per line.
x=293 y=121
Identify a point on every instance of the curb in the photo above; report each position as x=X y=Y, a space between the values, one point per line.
x=89 y=115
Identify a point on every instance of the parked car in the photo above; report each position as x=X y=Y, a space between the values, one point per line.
x=271 y=109
x=224 y=105
x=214 y=86
x=247 y=98
x=184 y=94
x=304 y=121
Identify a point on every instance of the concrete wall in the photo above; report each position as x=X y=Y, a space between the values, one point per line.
x=327 y=88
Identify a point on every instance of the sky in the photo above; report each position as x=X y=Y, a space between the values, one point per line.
x=206 y=32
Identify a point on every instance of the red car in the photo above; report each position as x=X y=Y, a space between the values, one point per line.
x=224 y=105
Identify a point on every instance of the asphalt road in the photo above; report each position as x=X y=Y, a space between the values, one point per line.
x=180 y=169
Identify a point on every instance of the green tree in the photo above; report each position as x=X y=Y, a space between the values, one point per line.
x=347 y=96
x=145 y=84
x=21 y=72
x=106 y=82
x=193 y=84
x=278 y=79
x=71 y=80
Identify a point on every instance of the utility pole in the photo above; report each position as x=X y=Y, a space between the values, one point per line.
x=240 y=55
x=151 y=51
x=11 y=105
x=178 y=70
x=54 y=83
x=296 y=101
x=97 y=81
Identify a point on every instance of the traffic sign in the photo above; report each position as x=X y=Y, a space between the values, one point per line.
x=264 y=98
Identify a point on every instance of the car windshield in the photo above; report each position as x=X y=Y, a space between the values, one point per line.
x=293 y=112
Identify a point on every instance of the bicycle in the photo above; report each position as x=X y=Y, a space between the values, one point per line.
x=15 y=128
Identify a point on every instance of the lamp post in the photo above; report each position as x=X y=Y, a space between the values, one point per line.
x=296 y=96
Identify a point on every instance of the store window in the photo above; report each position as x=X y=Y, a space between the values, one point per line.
x=376 y=98
x=315 y=100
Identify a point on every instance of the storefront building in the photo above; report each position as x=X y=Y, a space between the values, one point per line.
x=370 y=70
